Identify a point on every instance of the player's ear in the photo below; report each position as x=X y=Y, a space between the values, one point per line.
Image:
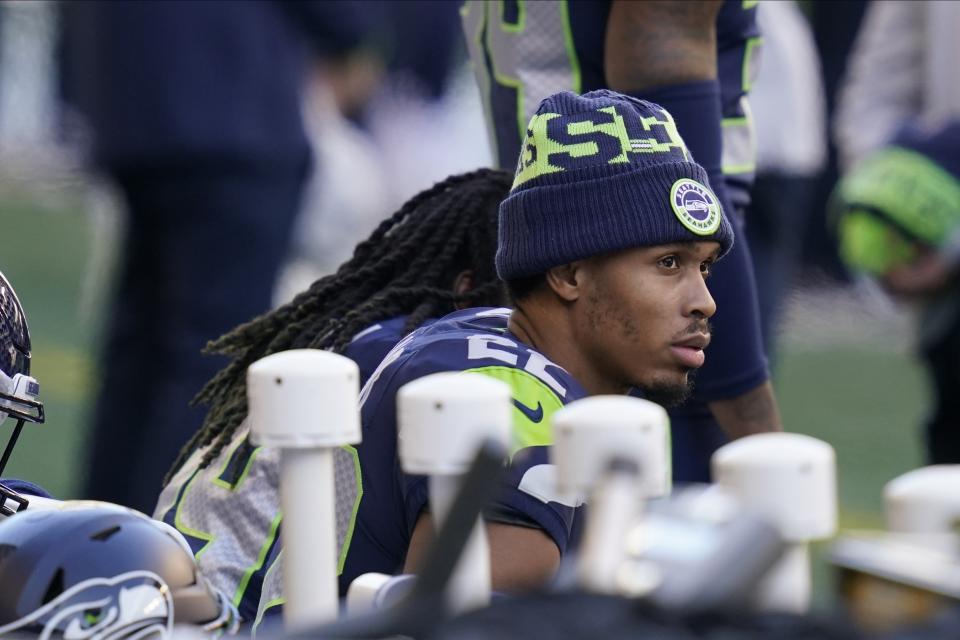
x=463 y=282
x=564 y=280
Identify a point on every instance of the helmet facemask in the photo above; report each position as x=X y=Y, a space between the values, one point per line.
x=19 y=393
x=18 y=399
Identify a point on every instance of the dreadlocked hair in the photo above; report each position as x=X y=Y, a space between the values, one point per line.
x=406 y=267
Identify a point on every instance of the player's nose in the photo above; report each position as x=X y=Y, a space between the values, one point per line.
x=698 y=301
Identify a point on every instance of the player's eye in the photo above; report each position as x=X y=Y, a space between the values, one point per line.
x=706 y=268
x=669 y=262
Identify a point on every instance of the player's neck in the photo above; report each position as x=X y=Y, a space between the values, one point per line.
x=522 y=326
x=546 y=329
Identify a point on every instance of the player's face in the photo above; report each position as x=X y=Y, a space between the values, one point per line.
x=644 y=323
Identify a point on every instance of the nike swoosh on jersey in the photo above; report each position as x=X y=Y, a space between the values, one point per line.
x=533 y=414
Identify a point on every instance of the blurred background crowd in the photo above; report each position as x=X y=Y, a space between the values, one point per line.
x=166 y=175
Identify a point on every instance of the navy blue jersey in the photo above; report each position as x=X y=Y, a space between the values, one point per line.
x=524 y=51
x=475 y=340
x=738 y=57
x=369 y=346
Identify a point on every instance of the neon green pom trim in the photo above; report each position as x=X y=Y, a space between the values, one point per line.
x=869 y=244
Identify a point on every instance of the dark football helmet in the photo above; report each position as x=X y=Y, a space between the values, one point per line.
x=98 y=570
x=19 y=393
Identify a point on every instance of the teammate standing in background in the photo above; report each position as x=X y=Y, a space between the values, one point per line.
x=696 y=59
x=195 y=111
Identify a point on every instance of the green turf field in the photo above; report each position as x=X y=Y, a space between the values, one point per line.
x=44 y=251
x=867 y=404
x=865 y=395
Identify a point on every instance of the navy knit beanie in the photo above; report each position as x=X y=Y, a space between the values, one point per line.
x=599 y=173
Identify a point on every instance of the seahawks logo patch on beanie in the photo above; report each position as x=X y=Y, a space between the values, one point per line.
x=695 y=206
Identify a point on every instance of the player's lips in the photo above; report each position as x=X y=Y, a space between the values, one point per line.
x=689 y=351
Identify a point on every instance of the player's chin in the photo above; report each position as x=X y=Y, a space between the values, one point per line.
x=669 y=390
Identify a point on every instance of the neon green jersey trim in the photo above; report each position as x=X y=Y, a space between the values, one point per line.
x=243 y=476
x=520 y=24
x=344 y=550
x=745 y=167
x=500 y=78
x=261 y=558
x=746 y=82
x=180 y=526
x=536 y=396
x=276 y=602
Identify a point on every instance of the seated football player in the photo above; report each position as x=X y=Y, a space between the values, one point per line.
x=605 y=244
